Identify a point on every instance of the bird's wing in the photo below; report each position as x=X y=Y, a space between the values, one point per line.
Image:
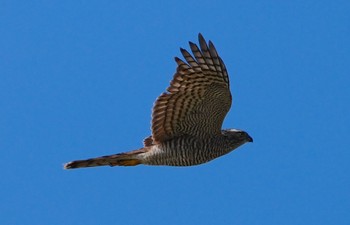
x=198 y=98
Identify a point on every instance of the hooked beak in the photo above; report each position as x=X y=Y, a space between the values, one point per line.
x=250 y=139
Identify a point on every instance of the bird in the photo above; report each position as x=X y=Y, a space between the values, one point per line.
x=186 y=125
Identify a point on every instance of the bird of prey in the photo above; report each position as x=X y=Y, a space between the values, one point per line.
x=187 y=118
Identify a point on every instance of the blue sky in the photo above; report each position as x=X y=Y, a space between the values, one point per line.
x=78 y=79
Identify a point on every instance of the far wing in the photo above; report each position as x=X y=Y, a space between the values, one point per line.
x=198 y=98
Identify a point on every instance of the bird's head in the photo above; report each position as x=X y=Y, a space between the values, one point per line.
x=237 y=136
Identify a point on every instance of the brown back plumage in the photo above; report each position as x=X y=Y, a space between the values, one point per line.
x=198 y=98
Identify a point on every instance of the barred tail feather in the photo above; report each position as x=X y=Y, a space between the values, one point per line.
x=121 y=159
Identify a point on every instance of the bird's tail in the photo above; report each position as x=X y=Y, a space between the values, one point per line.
x=122 y=159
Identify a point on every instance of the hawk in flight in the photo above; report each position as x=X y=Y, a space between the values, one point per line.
x=187 y=118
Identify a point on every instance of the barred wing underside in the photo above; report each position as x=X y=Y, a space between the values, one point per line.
x=198 y=98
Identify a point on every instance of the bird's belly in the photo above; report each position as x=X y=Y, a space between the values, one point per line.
x=189 y=156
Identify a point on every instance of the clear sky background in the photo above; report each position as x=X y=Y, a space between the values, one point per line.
x=78 y=79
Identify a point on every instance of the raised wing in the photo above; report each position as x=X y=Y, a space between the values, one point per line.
x=198 y=98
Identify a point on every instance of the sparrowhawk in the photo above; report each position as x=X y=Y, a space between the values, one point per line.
x=187 y=118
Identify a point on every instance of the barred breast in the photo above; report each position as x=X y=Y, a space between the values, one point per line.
x=187 y=151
